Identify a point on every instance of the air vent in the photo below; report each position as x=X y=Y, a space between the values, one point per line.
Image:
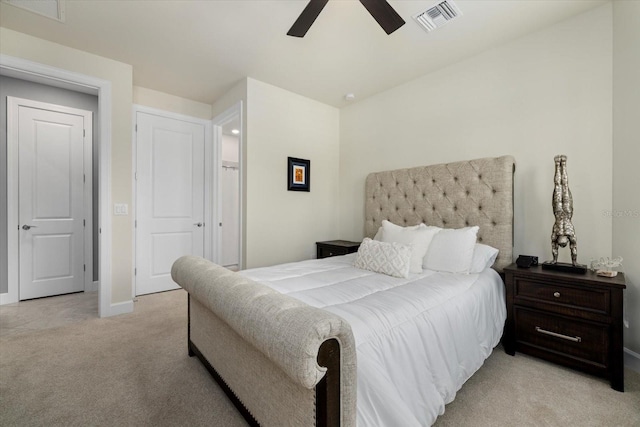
x=54 y=9
x=437 y=15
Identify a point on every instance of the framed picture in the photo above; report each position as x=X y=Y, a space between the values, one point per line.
x=298 y=173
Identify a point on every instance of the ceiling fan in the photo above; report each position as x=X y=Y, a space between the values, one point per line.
x=381 y=11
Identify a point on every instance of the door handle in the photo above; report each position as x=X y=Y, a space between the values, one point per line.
x=199 y=224
x=29 y=227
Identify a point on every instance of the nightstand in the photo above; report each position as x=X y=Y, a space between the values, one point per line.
x=335 y=247
x=571 y=319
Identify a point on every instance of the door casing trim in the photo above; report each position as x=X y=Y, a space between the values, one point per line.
x=53 y=76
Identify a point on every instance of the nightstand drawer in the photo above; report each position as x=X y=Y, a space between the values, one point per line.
x=596 y=300
x=325 y=252
x=335 y=247
x=588 y=341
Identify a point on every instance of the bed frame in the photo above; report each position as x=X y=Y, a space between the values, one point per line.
x=282 y=362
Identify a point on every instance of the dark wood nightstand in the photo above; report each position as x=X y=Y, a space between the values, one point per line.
x=335 y=247
x=571 y=319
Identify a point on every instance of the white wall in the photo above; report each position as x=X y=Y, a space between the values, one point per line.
x=283 y=226
x=544 y=94
x=626 y=154
x=230 y=200
x=230 y=151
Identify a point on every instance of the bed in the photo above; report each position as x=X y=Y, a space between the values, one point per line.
x=321 y=342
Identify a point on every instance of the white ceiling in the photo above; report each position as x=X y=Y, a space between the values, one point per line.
x=198 y=49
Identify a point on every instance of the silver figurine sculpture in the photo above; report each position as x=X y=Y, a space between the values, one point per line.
x=563 y=231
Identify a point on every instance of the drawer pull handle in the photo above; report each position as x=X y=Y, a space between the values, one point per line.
x=554 y=334
x=556 y=294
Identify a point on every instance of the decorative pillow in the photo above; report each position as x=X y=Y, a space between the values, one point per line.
x=417 y=236
x=451 y=250
x=392 y=259
x=483 y=257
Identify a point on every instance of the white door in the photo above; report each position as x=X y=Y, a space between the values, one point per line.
x=170 y=198
x=51 y=199
x=230 y=215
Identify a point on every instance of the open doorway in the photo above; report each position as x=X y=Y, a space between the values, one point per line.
x=228 y=172
x=50 y=172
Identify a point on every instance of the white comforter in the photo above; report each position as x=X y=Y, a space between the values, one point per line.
x=417 y=339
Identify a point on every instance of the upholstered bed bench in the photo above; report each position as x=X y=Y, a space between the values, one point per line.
x=281 y=361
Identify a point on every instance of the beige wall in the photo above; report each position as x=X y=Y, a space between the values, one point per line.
x=237 y=93
x=544 y=94
x=626 y=154
x=171 y=103
x=283 y=226
x=120 y=75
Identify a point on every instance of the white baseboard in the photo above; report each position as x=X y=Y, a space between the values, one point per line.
x=7 y=298
x=93 y=287
x=120 y=308
x=632 y=360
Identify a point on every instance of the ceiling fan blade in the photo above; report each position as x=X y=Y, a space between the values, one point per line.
x=306 y=18
x=386 y=16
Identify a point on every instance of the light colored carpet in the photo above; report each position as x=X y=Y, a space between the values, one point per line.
x=121 y=371
x=134 y=370
x=47 y=313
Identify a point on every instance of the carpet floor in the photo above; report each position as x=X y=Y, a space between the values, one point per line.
x=134 y=370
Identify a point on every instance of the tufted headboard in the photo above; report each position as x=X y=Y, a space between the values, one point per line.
x=452 y=195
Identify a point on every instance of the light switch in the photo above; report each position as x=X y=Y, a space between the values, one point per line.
x=121 y=209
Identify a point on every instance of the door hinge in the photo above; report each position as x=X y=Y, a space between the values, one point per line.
x=84 y=177
x=135 y=271
x=135 y=176
x=84 y=132
x=135 y=223
x=84 y=222
x=84 y=267
x=136 y=127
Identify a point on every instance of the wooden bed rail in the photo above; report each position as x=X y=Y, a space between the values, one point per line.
x=328 y=389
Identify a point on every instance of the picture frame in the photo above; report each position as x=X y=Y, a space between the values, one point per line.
x=298 y=174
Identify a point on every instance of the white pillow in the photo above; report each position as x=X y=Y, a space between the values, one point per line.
x=378 y=235
x=418 y=237
x=392 y=259
x=451 y=250
x=483 y=257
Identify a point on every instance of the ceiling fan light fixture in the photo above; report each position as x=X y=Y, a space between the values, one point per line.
x=384 y=14
x=438 y=15
x=307 y=18
x=380 y=10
